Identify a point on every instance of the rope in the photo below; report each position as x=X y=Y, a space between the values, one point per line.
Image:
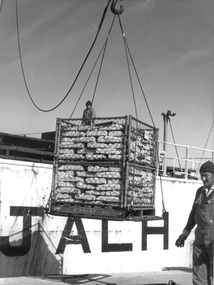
x=103 y=49
x=128 y=65
x=86 y=82
x=135 y=107
x=128 y=53
x=157 y=155
x=135 y=69
x=22 y=67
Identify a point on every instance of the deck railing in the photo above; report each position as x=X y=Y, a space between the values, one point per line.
x=182 y=161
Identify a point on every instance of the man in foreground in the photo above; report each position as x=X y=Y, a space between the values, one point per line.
x=202 y=215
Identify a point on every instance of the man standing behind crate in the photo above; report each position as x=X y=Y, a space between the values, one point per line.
x=88 y=114
x=202 y=215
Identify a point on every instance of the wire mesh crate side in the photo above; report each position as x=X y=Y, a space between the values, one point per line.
x=141 y=186
x=142 y=143
x=55 y=160
x=92 y=167
x=87 y=184
x=92 y=143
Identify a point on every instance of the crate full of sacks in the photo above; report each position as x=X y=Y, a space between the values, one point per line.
x=110 y=164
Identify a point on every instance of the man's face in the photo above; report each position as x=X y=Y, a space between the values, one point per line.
x=208 y=179
x=88 y=106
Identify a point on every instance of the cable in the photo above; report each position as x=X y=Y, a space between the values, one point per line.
x=136 y=72
x=1 y=5
x=127 y=50
x=128 y=65
x=157 y=155
x=103 y=49
x=86 y=83
x=22 y=67
x=136 y=113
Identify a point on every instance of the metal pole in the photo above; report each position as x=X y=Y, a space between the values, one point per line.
x=164 y=131
x=166 y=118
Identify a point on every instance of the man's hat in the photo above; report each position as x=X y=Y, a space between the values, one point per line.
x=88 y=103
x=207 y=167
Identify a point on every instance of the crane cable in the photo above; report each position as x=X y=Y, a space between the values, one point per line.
x=1 y=3
x=22 y=66
x=127 y=50
x=102 y=52
x=133 y=169
x=128 y=54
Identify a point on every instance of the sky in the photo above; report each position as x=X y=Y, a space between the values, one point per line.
x=171 y=43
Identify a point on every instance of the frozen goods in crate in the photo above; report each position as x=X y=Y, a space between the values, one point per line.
x=82 y=185
x=109 y=187
x=66 y=151
x=65 y=175
x=67 y=167
x=109 y=139
x=83 y=140
x=109 y=164
x=96 y=133
x=62 y=197
x=88 y=184
x=71 y=157
x=115 y=134
x=96 y=168
x=91 y=156
x=84 y=174
x=142 y=152
x=105 y=145
x=143 y=143
x=109 y=198
x=85 y=197
x=68 y=190
x=93 y=143
x=107 y=174
x=115 y=156
x=96 y=180
x=114 y=126
x=67 y=184
x=108 y=151
x=141 y=186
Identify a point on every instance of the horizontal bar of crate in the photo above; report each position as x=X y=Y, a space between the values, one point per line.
x=94 y=212
x=140 y=125
x=106 y=122
x=109 y=213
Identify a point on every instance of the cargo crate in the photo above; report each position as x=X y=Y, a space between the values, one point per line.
x=105 y=170
x=140 y=187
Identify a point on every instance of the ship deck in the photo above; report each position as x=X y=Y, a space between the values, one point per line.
x=138 y=278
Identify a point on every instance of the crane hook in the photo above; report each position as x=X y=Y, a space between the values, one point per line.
x=114 y=10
